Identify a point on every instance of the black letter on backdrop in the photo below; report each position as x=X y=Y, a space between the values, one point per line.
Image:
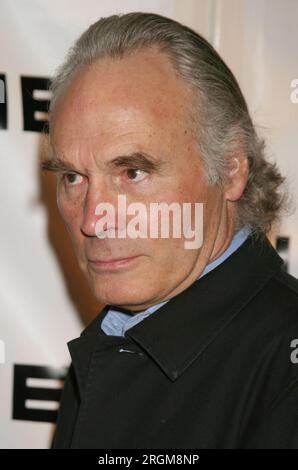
x=32 y=106
x=23 y=392
x=3 y=102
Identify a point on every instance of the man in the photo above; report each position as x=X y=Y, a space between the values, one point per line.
x=195 y=347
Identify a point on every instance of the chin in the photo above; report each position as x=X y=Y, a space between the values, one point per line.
x=129 y=295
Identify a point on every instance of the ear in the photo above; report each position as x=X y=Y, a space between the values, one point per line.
x=238 y=175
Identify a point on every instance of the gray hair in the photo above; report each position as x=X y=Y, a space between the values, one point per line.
x=221 y=116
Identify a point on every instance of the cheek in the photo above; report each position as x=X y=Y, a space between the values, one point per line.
x=170 y=261
x=70 y=212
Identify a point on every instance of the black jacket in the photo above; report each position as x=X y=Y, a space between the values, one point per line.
x=215 y=367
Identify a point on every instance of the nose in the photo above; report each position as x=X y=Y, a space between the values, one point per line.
x=98 y=198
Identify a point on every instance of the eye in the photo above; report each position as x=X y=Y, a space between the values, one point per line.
x=136 y=175
x=72 y=179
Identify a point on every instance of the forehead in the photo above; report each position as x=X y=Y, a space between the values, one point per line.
x=138 y=95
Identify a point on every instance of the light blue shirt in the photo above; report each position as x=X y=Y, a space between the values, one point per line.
x=116 y=322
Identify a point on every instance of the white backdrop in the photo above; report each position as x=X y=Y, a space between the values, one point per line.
x=44 y=300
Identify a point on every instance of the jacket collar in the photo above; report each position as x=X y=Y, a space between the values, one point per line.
x=184 y=327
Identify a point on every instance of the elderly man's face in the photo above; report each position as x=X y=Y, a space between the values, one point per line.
x=123 y=127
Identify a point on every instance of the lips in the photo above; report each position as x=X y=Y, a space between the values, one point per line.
x=110 y=260
x=112 y=263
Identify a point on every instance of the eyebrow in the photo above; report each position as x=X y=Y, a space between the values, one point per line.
x=138 y=160
x=57 y=164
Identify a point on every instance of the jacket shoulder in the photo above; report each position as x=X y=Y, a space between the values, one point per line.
x=280 y=294
x=287 y=281
x=283 y=291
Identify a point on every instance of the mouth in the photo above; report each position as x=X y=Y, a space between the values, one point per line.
x=113 y=264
